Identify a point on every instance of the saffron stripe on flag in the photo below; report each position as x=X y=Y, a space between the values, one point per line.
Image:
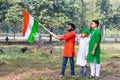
x=26 y=22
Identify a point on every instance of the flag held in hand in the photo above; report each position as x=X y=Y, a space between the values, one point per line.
x=30 y=27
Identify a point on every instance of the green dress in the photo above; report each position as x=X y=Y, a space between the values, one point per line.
x=95 y=37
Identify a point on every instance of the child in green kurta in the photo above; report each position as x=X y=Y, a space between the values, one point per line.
x=94 y=50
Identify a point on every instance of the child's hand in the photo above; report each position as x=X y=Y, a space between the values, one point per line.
x=80 y=35
x=93 y=52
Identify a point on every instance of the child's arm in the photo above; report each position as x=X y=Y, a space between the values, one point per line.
x=87 y=47
x=77 y=38
x=97 y=41
x=86 y=52
x=95 y=46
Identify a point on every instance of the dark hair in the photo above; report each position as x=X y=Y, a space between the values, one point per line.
x=72 y=25
x=96 y=22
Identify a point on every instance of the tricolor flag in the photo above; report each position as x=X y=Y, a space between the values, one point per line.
x=30 y=27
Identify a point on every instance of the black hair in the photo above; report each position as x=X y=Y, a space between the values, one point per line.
x=96 y=22
x=72 y=25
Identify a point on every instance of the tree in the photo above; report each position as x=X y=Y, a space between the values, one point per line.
x=52 y=13
x=3 y=9
x=14 y=18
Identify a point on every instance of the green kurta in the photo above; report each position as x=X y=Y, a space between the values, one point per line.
x=95 y=37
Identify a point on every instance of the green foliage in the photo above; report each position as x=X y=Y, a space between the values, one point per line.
x=14 y=17
x=112 y=32
x=56 y=13
x=4 y=5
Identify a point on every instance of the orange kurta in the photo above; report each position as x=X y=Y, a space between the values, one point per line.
x=69 y=48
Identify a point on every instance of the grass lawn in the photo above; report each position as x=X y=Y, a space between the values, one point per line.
x=39 y=65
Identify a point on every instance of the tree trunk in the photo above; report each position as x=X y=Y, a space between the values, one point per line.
x=102 y=31
x=50 y=37
x=82 y=15
x=14 y=34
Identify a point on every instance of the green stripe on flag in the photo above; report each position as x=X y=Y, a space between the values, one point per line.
x=33 y=31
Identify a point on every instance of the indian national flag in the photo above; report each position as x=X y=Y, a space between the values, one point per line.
x=30 y=27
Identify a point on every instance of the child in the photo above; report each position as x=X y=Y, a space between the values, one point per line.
x=82 y=52
x=94 y=50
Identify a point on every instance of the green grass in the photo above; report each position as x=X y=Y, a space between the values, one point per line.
x=39 y=78
x=108 y=51
x=13 y=61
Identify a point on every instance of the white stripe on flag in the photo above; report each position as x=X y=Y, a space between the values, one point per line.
x=31 y=22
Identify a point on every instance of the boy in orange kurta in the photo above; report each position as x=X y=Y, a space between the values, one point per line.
x=69 y=48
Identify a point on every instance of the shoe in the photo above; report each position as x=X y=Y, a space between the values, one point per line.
x=73 y=76
x=80 y=75
x=61 y=75
x=91 y=77
x=83 y=76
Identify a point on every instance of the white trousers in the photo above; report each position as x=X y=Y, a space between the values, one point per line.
x=95 y=69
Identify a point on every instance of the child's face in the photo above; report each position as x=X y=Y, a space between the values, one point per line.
x=83 y=35
x=94 y=25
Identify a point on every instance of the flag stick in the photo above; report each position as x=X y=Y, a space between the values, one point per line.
x=45 y=28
